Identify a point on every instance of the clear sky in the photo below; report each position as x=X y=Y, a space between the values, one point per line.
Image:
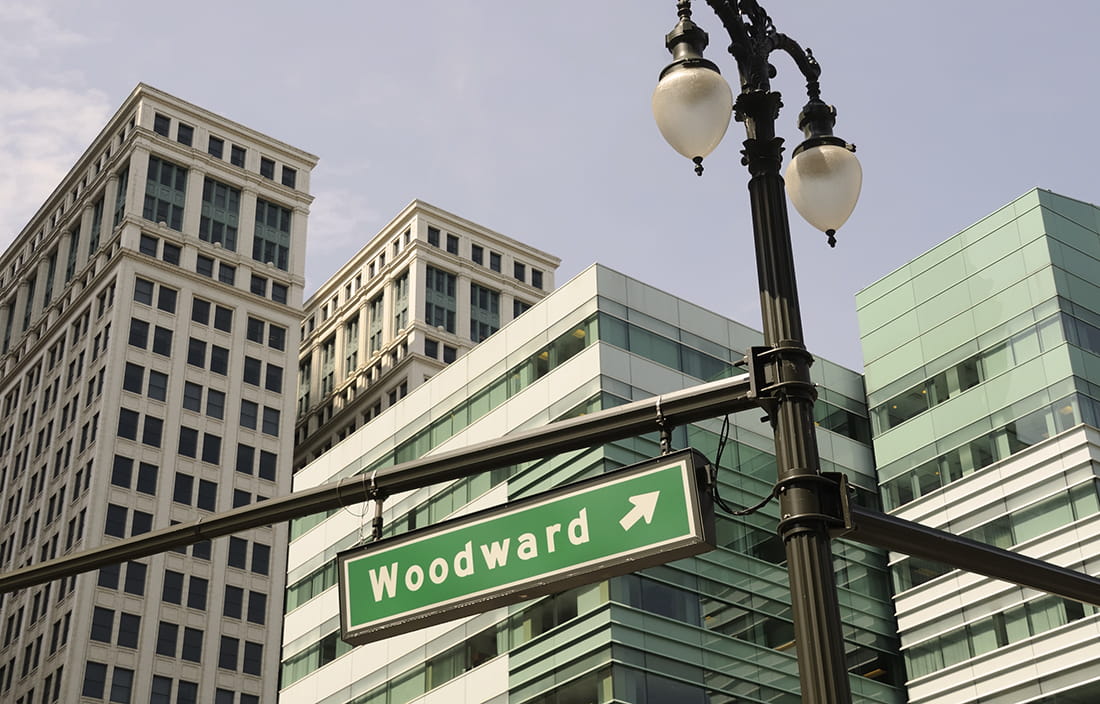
x=533 y=119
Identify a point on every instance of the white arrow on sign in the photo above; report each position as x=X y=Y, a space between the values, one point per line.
x=644 y=505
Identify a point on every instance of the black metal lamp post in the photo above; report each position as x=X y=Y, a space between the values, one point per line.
x=692 y=104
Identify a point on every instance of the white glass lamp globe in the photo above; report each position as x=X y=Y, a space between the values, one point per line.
x=692 y=106
x=823 y=183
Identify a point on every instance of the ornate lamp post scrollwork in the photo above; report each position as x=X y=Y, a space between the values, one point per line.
x=692 y=105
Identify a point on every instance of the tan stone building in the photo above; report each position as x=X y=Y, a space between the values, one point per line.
x=149 y=318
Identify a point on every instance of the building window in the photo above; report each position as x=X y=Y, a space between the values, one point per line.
x=250 y=412
x=267 y=168
x=450 y=354
x=477 y=254
x=271 y=421
x=328 y=366
x=271 y=241
x=494 y=261
x=401 y=302
x=440 y=303
x=185 y=134
x=351 y=346
x=227 y=273
x=120 y=198
x=148 y=245
x=536 y=278
x=374 y=339
x=95 y=680
x=519 y=307
x=215 y=147
x=143 y=291
x=204 y=266
x=236 y=155
x=252 y=370
x=290 y=177
x=433 y=236
x=452 y=244
x=221 y=206
x=171 y=253
x=484 y=312
x=431 y=348
x=161 y=124
x=165 y=193
x=519 y=271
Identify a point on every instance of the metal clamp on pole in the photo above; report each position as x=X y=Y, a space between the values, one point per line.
x=666 y=430
x=379 y=497
x=833 y=507
x=755 y=363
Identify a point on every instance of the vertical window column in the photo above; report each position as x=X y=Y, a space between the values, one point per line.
x=271 y=234
x=5 y=325
x=220 y=214
x=87 y=225
x=67 y=249
x=441 y=300
x=132 y=195
x=401 y=302
x=484 y=312
x=22 y=305
x=165 y=193
x=463 y=303
x=41 y=298
x=192 y=203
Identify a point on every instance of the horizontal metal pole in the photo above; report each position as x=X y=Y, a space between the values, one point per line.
x=897 y=534
x=629 y=420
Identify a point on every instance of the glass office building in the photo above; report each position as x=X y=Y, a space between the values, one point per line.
x=713 y=628
x=983 y=378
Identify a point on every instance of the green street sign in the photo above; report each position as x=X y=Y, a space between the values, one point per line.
x=626 y=520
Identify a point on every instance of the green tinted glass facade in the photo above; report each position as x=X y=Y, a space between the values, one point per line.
x=977 y=354
x=711 y=629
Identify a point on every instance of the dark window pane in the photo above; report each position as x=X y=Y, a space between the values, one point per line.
x=184 y=488
x=173 y=587
x=227 y=653
x=192 y=645
x=208 y=495
x=129 y=628
x=238 y=549
x=95 y=680
x=162 y=341
x=223 y=318
x=196 y=594
x=246 y=455
x=261 y=556
x=103 y=624
x=219 y=359
x=139 y=333
x=135 y=578
x=122 y=471
x=142 y=523
x=252 y=662
x=116 y=521
x=257 y=607
x=234 y=601
x=147 y=478
x=167 y=637
x=268 y=461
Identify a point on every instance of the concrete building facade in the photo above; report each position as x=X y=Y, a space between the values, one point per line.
x=714 y=628
x=149 y=319
x=983 y=382
x=420 y=294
